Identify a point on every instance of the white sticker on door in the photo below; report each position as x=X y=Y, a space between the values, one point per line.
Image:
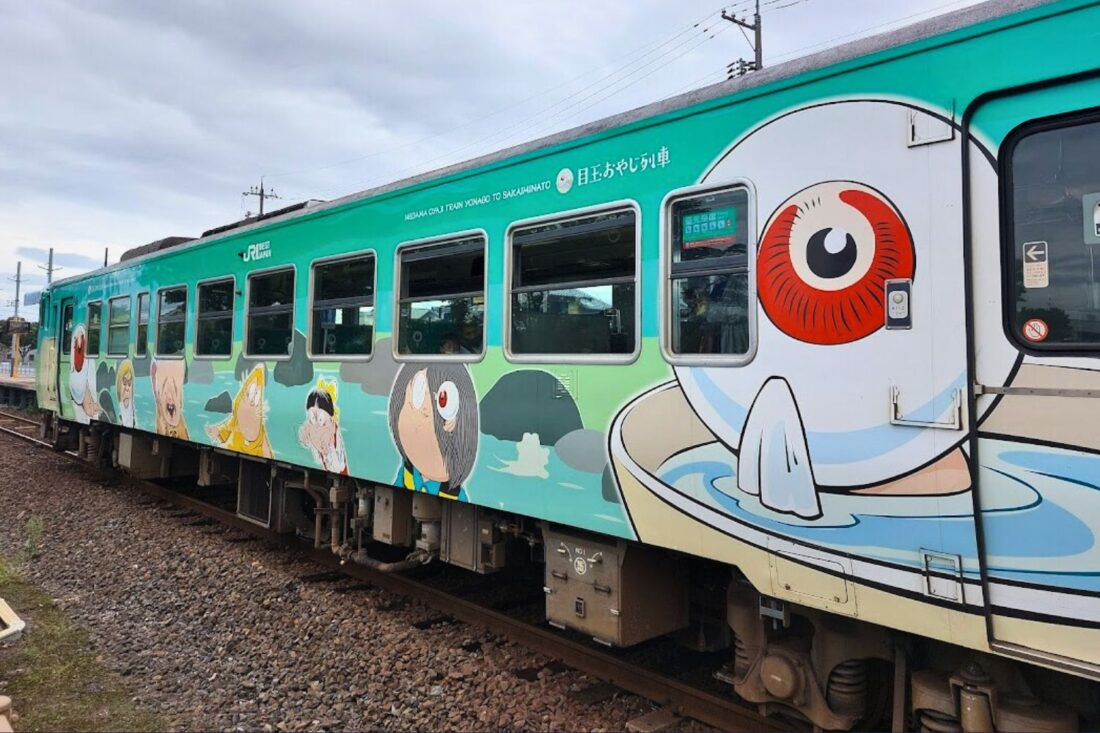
x=1036 y=265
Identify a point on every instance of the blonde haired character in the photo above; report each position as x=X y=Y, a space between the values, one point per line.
x=244 y=430
x=124 y=388
x=321 y=430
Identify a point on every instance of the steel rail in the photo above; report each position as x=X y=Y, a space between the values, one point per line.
x=684 y=700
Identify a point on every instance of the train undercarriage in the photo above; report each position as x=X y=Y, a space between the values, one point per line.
x=811 y=667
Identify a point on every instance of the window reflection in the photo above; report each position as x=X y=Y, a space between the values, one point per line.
x=573 y=289
x=1055 y=196
x=711 y=314
x=343 y=307
x=442 y=298
x=709 y=274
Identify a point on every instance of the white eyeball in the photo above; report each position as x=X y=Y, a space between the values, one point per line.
x=419 y=390
x=446 y=401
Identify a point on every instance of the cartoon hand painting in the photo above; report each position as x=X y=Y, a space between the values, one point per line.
x=321 y=430
x=433 y=417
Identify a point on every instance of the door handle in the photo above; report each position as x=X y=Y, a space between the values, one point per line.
x=953 y=421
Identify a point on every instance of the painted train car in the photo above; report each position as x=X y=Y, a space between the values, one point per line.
x=803 y=365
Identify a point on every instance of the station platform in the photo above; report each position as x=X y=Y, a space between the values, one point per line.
x=17 y=391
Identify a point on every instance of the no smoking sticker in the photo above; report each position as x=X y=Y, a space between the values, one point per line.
x=1036 y=330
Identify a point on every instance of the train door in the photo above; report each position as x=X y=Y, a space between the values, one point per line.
x=65 y=356
x=1036 y=307
x=45 y=359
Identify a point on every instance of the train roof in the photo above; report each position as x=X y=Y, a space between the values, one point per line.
x=921 y=30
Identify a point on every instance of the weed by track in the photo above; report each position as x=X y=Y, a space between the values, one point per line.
x=52 y=675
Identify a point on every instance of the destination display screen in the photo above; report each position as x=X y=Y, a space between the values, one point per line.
x=712 y=228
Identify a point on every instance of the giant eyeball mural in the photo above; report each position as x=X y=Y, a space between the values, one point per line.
x=824 y=258
x=845 y=204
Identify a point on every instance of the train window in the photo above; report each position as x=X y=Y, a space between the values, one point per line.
x=67 y=329
x=342 y=319
x=573 y=289
x=709 y=280
x=1052 y=197
x=441 y=301
x=118 y=326
x=214 y=318
x=94 y=326
x=141 y=340
x=270 y=323
x=171 y=321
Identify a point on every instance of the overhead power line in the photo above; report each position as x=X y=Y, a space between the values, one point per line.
x=741 y=66
x=540 y=120
x=633 y=57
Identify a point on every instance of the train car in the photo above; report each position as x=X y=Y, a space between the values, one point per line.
x=801 y=365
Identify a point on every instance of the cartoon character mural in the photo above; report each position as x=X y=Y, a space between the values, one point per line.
x=167 y=376
x=124 y=388
x=851 y=206
x=245 y=430
x=433 y=416
x=321 y=430
x=82 y=381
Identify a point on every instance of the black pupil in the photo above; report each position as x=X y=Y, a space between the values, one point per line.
x=826 y=264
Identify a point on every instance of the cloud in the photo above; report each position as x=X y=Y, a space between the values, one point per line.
x=122 y=122
x=71 y=260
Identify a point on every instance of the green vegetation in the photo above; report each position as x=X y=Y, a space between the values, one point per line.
x=51 y=674
x=34 y=537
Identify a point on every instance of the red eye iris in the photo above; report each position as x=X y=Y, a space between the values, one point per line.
x=78 y=352
x=824 y=259
x=447 y=400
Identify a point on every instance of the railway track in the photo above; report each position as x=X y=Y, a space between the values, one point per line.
x=21 y=427
x=674 y=696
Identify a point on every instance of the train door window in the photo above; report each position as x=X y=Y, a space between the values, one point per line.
x=441 y=299
x=573 y=289
x=141 y=340
x=171 y=321
x=709 y=288
x=1052 y=202
x=214 y=318
x=342 y=318
x=118 y=326
x=270 y=323
x=94 y=327
x=67 y=328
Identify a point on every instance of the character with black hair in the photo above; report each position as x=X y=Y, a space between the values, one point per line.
x=434 y=422
x=321 y=430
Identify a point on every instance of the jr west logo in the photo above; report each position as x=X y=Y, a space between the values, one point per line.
x=257 y=251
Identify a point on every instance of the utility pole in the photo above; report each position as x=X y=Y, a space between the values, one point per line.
x=15 y=319
x=741 y=66
x=18 y=281
x=49 y=268
x=106 y=251
x=253 y=191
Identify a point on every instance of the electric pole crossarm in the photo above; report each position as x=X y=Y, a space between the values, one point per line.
x=755 y=26
x=261 y=193
x=734 y=19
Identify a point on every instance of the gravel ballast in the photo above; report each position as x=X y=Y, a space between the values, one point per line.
x=217 y=634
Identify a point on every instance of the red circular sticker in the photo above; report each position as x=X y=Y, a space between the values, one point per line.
x=1036 y=330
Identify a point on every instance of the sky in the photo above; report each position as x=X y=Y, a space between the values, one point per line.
x=124 y=121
